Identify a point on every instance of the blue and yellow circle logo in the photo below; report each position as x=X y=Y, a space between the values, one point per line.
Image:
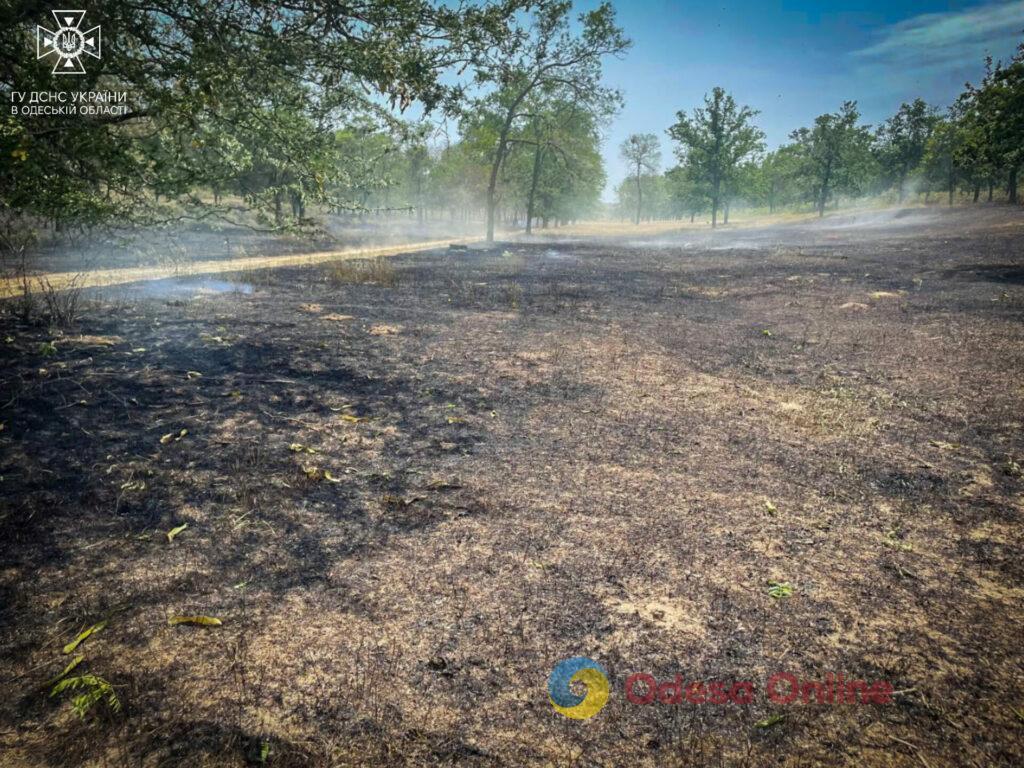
x=582 y=670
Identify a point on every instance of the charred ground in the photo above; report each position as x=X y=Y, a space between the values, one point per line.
x=408 y=499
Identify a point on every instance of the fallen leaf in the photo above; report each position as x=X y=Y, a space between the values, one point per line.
x=202 y=621
x=779 y=589
x=74 y=663
x=83 y=636
x=175 y=531
x=769 y=721
x=171 y=436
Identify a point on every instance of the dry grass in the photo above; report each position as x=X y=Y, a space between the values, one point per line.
x=377 y=271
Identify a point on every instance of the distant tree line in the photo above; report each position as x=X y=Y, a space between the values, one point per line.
x=974 y=148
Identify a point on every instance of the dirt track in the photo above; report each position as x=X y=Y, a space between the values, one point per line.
x=609 y=449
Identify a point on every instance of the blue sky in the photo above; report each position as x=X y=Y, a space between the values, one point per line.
x=795 y=59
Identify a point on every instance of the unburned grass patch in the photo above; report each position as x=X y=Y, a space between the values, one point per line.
x=376 y=271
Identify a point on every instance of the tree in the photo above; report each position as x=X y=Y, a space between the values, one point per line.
x=543 y=55
x=902 y=139
x=685 y=193
x=995 y=114
x=940 y=156
x=780 y=171
x=642 y=152
x=833 y=155
x=565 y=174
x=714 y=140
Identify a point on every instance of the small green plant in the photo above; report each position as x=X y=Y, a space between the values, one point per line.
x=779 y=589
x=90 y=690
x=47 y=349
x=769 y=721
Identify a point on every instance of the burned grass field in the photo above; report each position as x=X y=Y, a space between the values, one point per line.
x=405 y=490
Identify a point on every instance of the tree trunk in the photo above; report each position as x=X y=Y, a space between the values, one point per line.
x=823 y=195
x=725 y=212
x=977 y=190
x=714 y=203
x=492 y=183
x=1011 y=186
x=639 y=194
x=693 y=214
x=499 y=158
x=991 y=184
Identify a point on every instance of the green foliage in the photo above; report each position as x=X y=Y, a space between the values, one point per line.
x=228 y=97
x=642 y=154
x=779 y=589
x=979 y=141
x=833 y=155
x=714 y=141
x=89 y=691
x=542 y=58
x=993 y=120
x=901 y=142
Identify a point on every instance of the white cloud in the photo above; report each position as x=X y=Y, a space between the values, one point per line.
x=937 y=42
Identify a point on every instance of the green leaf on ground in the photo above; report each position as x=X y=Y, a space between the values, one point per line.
x=201 y=621
x=779 y=589
x=769 y=721
x=83 y=636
